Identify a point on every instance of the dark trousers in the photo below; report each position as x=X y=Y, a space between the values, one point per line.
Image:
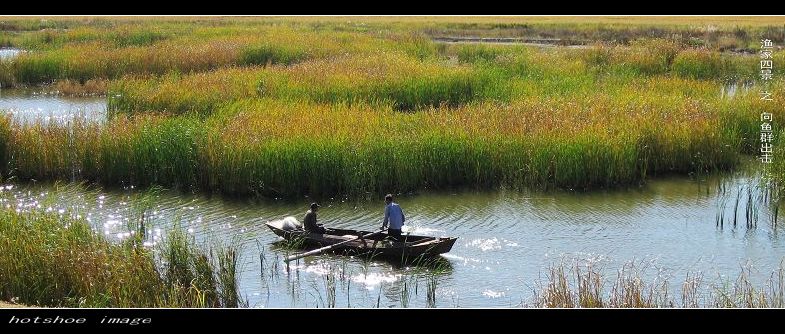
x=317 y=229
x=394 y=234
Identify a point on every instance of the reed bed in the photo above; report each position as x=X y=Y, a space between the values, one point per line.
x=282 y=148
x=402 y=81
x=716 y=32
x=56 y=260
x=324 y=108
x=454 y=75
x=93 y=60
x=199 y=93
x=394 y=78
x=640 y=58
x=111 y=48
x=147 y=52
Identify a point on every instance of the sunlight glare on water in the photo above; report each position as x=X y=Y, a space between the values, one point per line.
x=506 y=240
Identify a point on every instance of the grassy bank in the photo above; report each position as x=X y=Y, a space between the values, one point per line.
x=56 y=260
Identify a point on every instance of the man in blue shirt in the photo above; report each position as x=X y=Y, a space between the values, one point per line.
x=394 y=216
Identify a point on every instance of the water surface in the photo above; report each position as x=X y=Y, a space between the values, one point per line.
x=8 y=53
x=507 y=240
x=28 y=105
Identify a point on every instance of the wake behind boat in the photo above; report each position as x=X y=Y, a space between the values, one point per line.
x=408 y=248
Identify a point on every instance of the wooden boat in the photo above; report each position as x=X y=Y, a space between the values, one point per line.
x=408 y=248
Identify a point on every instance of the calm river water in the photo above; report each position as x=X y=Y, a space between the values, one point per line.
x=507 y=240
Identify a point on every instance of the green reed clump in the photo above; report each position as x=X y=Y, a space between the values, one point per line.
x=415 y=44
x=6 y=75
x=210 y=277
x=378 y=78
x=181 y=264
x=56 y=260
x=111 y=53
x=47 y=151
x=97 y=61
x=477 y=53
x=330 y=126
x=138 y=37
x=138 y=151
x=650 y=57
x=599 y=56
x=408 y=83
x=266 y=54
x=642 y=57
x=5 y=132
x=199 y=93
x=228 y=281
x=159 y=151
x=120 y=46
x=698 y=64
x=286 y=46
x=391 y=77
x=31 y=69
x=741 y=116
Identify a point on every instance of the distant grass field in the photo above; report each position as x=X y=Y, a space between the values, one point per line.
x=287 y=107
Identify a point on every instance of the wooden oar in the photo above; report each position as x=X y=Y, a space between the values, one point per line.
x=326 y=248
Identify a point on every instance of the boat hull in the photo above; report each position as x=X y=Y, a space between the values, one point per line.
x=407 y=248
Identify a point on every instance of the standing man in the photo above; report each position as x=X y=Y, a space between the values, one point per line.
x=309 y=222
x=394 y=216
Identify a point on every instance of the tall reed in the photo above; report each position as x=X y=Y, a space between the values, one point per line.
x=51 y=259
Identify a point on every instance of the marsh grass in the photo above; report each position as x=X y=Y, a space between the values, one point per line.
x=744 y=294
x=5 y=133
x=584 y=286
x=278 y=148
x=119 y=46
x=56 y=260
x=405 y=83
x=266 y=108
x=90 y=53
x=408 y=83
x=385 y=78
x=91 y=87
